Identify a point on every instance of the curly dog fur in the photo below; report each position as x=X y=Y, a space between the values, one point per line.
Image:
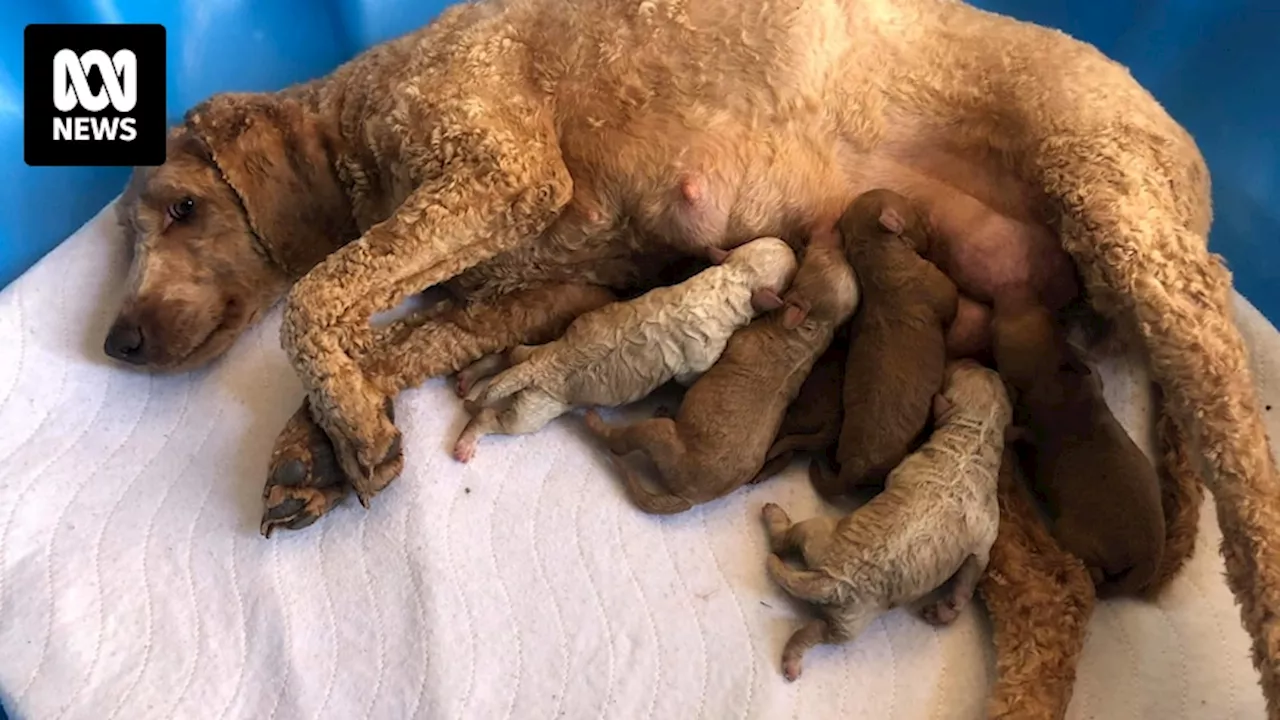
x=1040 y=598
x=510 y=145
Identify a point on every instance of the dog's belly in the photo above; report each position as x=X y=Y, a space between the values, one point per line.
x=655 y=190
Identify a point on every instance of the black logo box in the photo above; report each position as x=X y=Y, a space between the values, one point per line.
x=41 y=43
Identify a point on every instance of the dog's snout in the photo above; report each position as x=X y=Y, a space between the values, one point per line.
x=126 y=343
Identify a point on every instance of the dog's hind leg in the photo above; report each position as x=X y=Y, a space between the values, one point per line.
x=842 y=625
x=304 y=467
x=496 y=180
x=1128 y=192
x=531 y=409
x=808 y=585
x=1123 y=231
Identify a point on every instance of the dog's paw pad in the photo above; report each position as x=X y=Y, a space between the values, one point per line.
x=294 y=508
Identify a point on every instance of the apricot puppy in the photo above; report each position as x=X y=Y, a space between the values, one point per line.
x=812 y=421
x=933 y=525
x=1102 y=492
x=623 y=351
x=897 y=350
x=719 y=438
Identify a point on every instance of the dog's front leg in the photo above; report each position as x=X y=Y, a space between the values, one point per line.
x=304 y=480
x=498 y=186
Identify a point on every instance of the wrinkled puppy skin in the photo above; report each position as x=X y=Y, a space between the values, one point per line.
x=1040 y=598
x=897 y=350
x=931 y=529
x=304 y=479
x=728 y=419
x=812 y=421
x=624 y=351
x=1103 y=494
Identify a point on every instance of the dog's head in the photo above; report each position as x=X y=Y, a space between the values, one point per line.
x=246 y=202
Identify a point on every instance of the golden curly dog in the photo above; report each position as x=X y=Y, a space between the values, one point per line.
x=510 y=145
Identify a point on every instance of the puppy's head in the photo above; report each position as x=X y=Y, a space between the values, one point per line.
x=879 y=216
x=970 y=386
x=1032 y=354
x=824 y=288
x=244 y=204
x=771 y=265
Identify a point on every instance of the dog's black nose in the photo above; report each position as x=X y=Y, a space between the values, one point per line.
x=125 y=342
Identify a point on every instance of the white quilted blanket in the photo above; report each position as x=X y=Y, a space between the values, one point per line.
x=134 y=583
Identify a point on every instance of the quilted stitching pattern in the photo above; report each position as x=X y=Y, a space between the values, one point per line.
x=133 y=583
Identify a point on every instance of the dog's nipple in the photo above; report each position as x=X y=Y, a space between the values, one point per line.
x=691 y=190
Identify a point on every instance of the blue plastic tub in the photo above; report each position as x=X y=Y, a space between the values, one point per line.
x=1213 y=64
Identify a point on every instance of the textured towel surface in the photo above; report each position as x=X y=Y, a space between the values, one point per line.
x=134 y=584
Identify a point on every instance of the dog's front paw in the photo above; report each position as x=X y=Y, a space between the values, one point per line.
x=304 y=481
x=371 y=454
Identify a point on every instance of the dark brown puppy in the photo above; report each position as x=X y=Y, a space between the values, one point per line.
x=813 y=419
x=728 y=419
x=897 y=350
x=1102 y=492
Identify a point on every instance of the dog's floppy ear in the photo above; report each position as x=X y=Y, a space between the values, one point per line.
x=279 y=160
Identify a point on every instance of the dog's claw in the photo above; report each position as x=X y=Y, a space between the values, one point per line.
x=305 y=481
x=356 y=456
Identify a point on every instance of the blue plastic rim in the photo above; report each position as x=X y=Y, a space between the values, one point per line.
x=1213 y=63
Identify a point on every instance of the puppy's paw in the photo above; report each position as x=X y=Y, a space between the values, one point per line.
x=940 y=612
x=595 y=423
x=464 y=450
x=304 y=481
x=791 y=666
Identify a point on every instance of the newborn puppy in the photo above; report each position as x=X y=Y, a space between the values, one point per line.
x=897 y=350
x=813 y=419
x=1102 y=492
x=933 y=525
x=623 y=351
x=729 y=417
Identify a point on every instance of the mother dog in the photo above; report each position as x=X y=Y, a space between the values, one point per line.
x=513 y=146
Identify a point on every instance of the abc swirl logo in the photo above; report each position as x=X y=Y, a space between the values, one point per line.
x=71 y=91
x=94 y=95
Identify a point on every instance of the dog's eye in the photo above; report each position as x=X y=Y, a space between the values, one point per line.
x=182 y=209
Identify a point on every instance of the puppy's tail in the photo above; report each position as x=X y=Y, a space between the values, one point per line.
x=654 y=503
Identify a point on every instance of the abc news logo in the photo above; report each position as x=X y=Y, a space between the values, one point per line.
x=94 y=95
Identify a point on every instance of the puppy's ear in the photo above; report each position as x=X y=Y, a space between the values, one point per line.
x=1014 y=434
x=1072 y=363
x=717 y=255
x=765 y=300
x=794 y=314
x=940 y=406
x=891 y=220
x=279 y=161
